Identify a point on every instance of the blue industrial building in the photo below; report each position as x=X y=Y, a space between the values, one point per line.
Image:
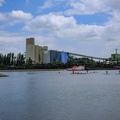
x=64 y=57
x=55 y=56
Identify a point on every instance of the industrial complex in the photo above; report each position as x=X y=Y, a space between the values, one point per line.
x=41 y=54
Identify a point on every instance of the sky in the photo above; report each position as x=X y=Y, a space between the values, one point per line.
x=88 y=27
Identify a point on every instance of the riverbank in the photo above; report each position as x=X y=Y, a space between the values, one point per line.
x=25 y=70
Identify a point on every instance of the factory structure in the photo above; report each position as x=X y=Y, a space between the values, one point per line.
x=115 y=58
x=41 y=54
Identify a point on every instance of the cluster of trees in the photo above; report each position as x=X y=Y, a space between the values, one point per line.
x=10 y=61
x=90 y=63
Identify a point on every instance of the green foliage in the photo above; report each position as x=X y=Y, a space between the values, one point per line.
x=10 y=61
x=20 y=59
x=29 y=63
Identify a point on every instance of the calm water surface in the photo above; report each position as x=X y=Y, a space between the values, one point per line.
x=50 y=95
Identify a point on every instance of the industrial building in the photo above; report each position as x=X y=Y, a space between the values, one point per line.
x=40 y=54
x=51 y=56
x=115 y=58
x=33 y=51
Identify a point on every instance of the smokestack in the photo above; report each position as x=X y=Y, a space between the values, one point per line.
x=116 y=51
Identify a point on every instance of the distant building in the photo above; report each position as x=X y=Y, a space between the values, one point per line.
x=33 y=51
x=46 y=57
x=30 y=49
x=40 y=54
x=55 y=56
x=64 y=57
x=115 y=57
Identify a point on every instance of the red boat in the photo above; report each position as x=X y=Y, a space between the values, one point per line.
x=75 y=68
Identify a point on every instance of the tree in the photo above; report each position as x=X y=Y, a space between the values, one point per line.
x=29 y=62
x=20 y=59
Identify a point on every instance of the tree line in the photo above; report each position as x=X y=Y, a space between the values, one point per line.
x=12 y=61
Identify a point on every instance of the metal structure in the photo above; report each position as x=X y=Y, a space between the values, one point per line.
x=98 y=58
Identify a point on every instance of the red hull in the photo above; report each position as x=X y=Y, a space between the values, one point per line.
x=75 y=68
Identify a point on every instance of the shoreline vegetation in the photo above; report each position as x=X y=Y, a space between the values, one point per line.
x=10 y=62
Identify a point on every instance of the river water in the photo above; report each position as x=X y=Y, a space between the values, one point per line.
x=60 y=95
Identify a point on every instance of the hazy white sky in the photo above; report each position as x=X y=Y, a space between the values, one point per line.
x=90 y=27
